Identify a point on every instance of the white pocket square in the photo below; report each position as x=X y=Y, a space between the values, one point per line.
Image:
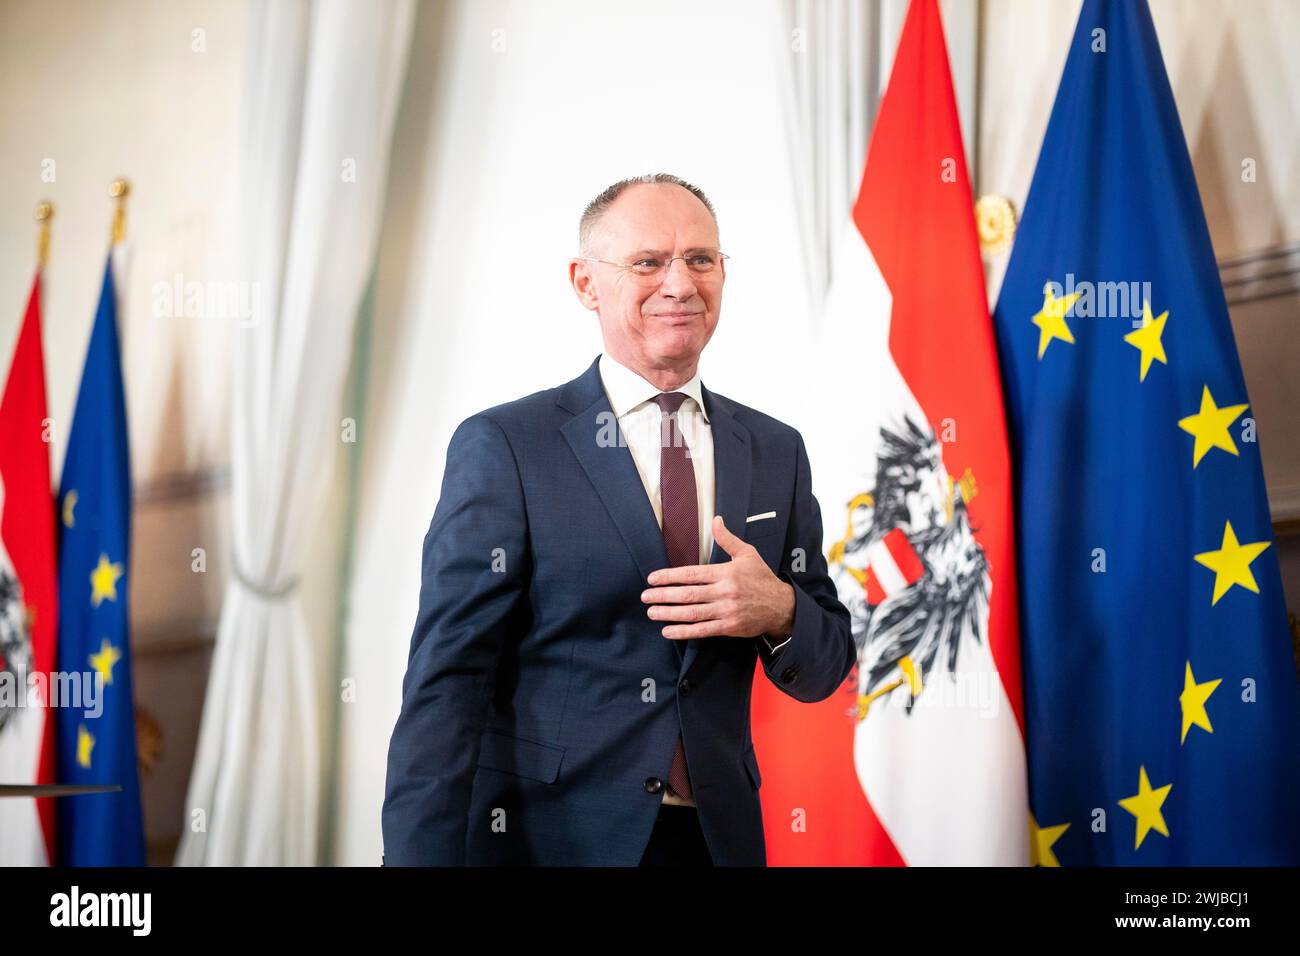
x=765 y=514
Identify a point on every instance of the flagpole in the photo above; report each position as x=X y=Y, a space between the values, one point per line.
x=43 y=213
x=119 y=189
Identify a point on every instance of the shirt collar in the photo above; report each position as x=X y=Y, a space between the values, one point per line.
x=626 y=389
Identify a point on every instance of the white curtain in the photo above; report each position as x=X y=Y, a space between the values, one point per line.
x=834 y=84
x=323 y=80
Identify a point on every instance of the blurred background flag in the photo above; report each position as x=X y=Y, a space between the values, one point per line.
x=919 y=759
x=97 y=744
x=27 y=593
x=1162 y=710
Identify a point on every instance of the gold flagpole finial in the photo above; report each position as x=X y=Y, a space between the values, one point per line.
x=995 y=223
x=119 y=189
x=43 y=213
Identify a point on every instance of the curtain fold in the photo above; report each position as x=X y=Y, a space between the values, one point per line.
x=323 y=79
x=834 y=84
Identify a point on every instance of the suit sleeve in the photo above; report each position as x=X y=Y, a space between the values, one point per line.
x=817 y=658
x=475 y=574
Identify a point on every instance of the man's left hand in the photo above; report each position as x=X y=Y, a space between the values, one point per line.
x=741 y=598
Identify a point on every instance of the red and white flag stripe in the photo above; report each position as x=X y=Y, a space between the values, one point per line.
x=920 y=759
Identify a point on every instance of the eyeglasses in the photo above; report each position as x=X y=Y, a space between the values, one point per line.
x=654 y=268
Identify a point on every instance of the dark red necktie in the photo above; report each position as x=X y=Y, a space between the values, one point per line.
x=681 y=526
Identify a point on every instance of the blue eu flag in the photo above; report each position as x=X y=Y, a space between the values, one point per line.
x=96 y=735
x=1161 y=703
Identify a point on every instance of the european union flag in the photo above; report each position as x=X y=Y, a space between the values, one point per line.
x=1161 y=702
x=96 y=739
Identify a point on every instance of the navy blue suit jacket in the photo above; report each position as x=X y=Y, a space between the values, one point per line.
x=541 y=706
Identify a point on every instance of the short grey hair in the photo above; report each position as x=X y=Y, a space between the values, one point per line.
x=600 y=205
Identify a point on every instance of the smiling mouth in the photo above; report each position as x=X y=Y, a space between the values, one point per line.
x=676 y=315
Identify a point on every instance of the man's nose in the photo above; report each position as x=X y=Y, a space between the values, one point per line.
x=678 y=281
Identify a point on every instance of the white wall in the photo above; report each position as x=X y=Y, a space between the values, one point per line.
x=90 y=92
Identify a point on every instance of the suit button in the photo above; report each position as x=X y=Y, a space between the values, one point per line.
x=684 y=688
x=790 y=674
x=653 y=785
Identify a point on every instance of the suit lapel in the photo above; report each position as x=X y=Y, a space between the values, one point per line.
x=732 y=476
x=732 y=470
x=601 y=449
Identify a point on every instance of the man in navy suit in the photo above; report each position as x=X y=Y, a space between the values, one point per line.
x=606 y=561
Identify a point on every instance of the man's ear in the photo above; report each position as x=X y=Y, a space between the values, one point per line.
x=584 y=283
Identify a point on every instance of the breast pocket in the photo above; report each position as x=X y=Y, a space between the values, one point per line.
x=523 y=758
x=762 y=525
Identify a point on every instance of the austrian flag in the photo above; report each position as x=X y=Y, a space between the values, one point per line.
x=919 y=759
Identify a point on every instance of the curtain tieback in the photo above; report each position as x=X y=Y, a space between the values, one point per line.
x=270 y=591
